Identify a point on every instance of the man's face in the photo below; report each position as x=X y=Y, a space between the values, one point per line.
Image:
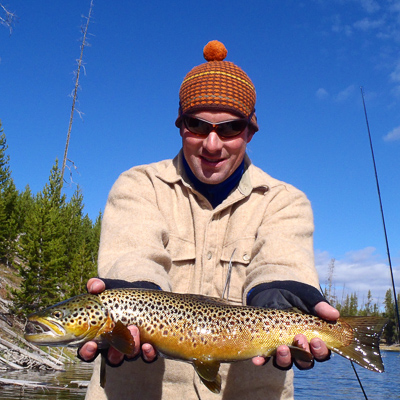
x=211 y=158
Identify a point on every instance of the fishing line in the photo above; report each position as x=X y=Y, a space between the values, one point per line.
x=383 y=218
x=354 y=369
x=228 y=278
x=359 y=380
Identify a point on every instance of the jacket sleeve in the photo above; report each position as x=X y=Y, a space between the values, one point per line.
x=283 y=249
x=134 y=234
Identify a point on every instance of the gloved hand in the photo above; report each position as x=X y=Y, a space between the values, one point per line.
x=282 y=295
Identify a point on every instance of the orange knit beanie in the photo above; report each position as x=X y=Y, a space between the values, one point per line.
x=217 y=85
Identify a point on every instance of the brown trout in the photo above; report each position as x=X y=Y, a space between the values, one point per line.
x=201 y=330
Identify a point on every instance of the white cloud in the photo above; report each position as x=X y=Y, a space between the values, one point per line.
x=393 y=135
x=395 y=77
x=321 y=94
x=358 y=272
x=370 y=6
x=366 y=24
x=339 y=27
x=395 y=74
x=346 y=93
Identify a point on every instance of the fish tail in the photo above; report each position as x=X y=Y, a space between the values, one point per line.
x=364 y=347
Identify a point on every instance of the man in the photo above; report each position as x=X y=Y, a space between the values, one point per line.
x=178 y=225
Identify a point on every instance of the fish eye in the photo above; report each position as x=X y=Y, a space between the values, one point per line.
x=58 y=314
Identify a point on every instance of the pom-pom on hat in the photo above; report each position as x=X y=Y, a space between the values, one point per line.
x=217 y=85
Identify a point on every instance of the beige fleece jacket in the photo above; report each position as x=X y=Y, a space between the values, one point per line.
x=157 y=228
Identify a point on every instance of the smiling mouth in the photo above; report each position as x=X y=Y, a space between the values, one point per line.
x=212 y=161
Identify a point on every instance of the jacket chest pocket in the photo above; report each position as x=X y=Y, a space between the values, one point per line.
x=183 y=255
x=238 y=255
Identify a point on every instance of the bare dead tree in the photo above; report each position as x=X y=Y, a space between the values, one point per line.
x=330 y=291
x=7 y=18
x=75 y=91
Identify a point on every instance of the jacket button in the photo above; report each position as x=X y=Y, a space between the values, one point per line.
x=246 y=257
x=209 y=255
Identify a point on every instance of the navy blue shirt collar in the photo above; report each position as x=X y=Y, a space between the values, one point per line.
x=216 y=193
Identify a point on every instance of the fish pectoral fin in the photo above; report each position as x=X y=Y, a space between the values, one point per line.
x=300 y=354
x=120 y=338
x=208 y=373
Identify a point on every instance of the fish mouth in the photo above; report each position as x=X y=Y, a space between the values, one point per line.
x=47 y=333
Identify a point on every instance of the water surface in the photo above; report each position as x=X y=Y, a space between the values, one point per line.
x=332 y=380
x=336 y=380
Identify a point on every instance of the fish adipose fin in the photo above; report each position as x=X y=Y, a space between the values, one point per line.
x=208 y=373
x=364 y=348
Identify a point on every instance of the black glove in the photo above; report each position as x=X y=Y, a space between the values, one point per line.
x=286 y=294
x=121 y=284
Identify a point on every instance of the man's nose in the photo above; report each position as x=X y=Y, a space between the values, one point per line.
x=213 y=142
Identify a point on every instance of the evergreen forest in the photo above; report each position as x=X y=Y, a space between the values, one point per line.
x=45 y=238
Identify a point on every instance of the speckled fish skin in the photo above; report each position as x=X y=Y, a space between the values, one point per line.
x=202 y=330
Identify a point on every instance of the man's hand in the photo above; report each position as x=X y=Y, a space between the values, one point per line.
x=316 y=346
x=89 y=350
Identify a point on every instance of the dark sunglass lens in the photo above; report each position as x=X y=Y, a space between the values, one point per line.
x=232 y=128
x=195 y=125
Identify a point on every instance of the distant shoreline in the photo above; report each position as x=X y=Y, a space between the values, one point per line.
x=393 y=347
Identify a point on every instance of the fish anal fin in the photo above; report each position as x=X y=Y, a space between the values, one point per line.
x=120 y=338
x=208 y=373
x=214 y=386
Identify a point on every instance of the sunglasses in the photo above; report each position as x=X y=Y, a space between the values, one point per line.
x=224 y=129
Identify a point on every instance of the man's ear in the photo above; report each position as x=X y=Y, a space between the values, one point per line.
x=250 y=135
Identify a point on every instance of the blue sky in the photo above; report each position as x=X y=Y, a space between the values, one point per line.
x=307 y=60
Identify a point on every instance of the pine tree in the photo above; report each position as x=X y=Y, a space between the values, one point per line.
x=5 y=173
x=81 y=251
x=390 y=330
x=8 y=199
x=42 y=249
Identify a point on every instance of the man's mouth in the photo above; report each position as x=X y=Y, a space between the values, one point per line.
x=211 y=161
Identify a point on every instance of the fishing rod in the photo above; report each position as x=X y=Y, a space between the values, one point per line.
x=383 y=217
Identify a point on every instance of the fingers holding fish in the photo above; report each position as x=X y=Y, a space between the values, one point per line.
x=95 y=286
x=301 y=342
x=283 y=358
x=326 y=311
x=88 y=352
x=319 y=350
x=260 y=360
x=114 y=357
x=148 y=352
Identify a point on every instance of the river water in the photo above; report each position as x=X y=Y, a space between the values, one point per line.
x=336 y=380
x=333 y=380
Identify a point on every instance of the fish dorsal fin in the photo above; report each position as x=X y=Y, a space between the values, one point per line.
x=211 y=300
x=120 y=338
x=300 y=354
x=295 y=310
x=208 y=373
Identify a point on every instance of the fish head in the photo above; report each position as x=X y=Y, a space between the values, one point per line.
x=69 y=323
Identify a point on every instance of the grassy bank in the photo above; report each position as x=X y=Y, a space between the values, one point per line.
x=393 y=347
